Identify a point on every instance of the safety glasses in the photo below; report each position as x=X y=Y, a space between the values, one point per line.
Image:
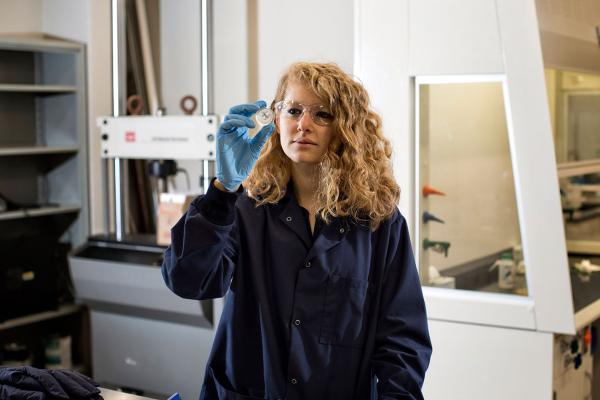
x=319 y=113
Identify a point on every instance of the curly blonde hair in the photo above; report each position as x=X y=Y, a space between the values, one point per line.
x=355 y=175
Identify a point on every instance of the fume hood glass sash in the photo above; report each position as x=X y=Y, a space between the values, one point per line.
x=477 y=306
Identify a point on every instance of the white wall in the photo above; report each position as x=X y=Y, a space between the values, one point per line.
x=312 y=30
x=575 y=19
x=179 y=52
x=17 y=16
x=76 y=27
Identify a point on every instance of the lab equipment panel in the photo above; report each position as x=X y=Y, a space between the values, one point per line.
x=167 y=137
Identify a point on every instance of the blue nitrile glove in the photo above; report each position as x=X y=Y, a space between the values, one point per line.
x=51 y=384
x=236 y=152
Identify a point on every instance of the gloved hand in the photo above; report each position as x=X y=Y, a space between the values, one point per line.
x=28 y=383
x=236 y=152
x=8 y=392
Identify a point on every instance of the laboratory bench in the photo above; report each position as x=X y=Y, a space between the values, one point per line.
x=109 y=394
x=585 y=287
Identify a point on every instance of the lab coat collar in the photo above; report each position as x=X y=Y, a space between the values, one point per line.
x=291 y=216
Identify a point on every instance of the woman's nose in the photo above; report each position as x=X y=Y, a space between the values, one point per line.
x=304 y=122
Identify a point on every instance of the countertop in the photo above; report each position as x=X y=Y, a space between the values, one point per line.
x=114 y=395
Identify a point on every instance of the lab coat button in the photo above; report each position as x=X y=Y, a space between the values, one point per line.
x=297 y=322
x=308 y=264
x=342 y=230
x=294 y=381
x=288 y=219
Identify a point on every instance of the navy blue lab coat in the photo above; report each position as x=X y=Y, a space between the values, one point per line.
x=336 y=316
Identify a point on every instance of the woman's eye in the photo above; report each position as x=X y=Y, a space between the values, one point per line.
x=324 y=115
x=294 y=111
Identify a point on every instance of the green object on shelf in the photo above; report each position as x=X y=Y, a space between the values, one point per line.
x=437 y=246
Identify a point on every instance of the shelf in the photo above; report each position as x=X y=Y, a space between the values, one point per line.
x=37 y=89
x=37 y=42
x=65 y=309
x=38 y=212
x=575 y=168
x=81 y=369
x=37 y=150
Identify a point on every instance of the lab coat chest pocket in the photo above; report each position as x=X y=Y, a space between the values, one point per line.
x=344 y=315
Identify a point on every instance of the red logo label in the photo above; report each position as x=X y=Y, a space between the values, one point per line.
x=130 y=136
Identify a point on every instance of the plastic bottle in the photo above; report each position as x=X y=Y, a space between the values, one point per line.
x=506 y=271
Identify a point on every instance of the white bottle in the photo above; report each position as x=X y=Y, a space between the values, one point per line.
x=506 y=271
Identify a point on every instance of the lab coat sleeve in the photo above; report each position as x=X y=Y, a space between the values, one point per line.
x=200 y=261
x=402 y=345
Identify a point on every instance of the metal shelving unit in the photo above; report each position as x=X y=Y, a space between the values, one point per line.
x=43 y=151
x=39 y=212
x=63 y=310
x=43 y=182
x=38 y=89
x=37 y=150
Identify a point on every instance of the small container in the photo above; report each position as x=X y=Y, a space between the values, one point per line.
x=15 y=354
x=57 y=352
x=437 y=280
x=517 y=251
x=262 y=117
x=506 y=271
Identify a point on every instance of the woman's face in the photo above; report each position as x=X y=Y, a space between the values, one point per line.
x=302 y=139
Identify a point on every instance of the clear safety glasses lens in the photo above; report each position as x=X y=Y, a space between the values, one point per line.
x=319 y=113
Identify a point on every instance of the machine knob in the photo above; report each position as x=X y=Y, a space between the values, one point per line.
x=574 y=346
x=577 y=361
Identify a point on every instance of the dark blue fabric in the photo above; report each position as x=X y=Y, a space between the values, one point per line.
x=26 y=383
x=8 y=392
x=338 y=317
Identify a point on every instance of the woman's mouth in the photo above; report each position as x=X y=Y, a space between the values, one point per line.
x=304 y=141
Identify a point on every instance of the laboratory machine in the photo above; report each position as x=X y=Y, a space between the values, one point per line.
x=145 y=339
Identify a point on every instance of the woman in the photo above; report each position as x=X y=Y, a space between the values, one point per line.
x=322 y=297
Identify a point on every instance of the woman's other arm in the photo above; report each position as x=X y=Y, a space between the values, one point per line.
x=403 y=348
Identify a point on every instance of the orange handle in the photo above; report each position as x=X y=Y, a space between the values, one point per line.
x=427 y=190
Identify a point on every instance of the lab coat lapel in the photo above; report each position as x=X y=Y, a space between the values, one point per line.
x=292 y=218
x=330 y=236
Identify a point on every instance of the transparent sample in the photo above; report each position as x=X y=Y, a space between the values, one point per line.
x=262 y=117
x=468 y=233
